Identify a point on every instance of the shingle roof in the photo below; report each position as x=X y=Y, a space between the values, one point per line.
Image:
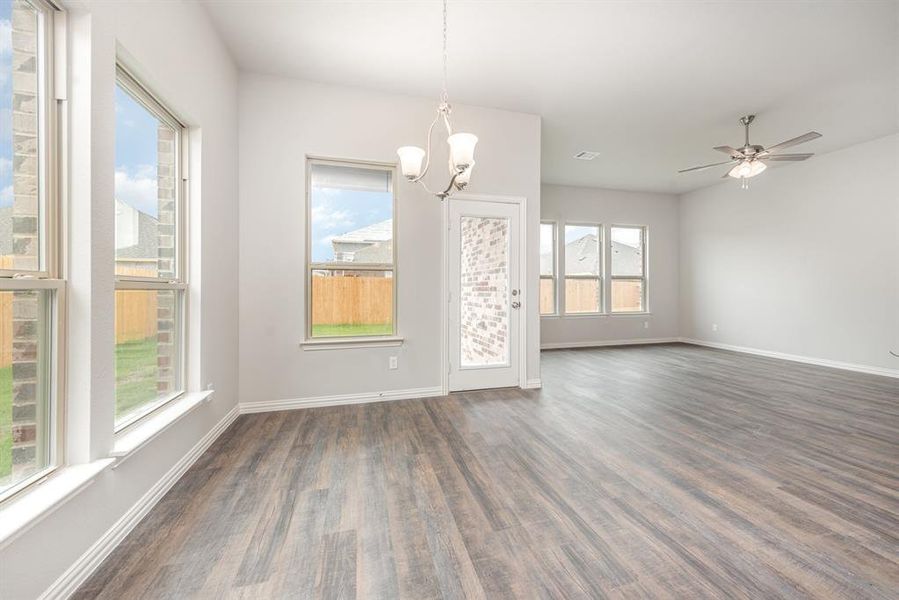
x=581 y=257
x=376 y=232
x=148 y=239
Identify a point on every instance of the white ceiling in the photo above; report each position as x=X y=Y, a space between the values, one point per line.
x=652 y=86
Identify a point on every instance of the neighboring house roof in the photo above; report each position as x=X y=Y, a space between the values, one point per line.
x=147 y=245
x=581 y=257
x=148 y=240
x=377 y=232
x=369 y=244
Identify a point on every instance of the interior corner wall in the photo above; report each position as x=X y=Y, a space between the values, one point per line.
x=805 y=262
x=659 y=213
x=163 y=42
x=284 y=120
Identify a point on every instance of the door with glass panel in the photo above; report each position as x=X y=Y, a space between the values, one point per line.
x=485 y=294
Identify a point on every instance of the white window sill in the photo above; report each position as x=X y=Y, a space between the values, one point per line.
x=347 y=343
x=596 y=315
x=45 y=496
x=135 y=438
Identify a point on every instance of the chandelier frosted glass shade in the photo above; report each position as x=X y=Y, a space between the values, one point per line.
x=747 y=169
x=410 y=161
x=461 y=146
x=462 y=150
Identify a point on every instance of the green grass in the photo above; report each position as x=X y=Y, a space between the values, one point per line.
x=135 y=374
x=349 y=329
x=5 y=421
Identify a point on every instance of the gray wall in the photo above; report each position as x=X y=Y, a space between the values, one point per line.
x=281 y=121
x=658 y=212
x=804 y=262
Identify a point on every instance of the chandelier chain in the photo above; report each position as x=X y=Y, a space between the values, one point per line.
x=444 y=96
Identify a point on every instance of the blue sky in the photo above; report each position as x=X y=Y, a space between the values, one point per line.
x=337 y=211
x=135 y=154
x=5 y=104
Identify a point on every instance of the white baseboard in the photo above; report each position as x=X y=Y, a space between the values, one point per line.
x=533 y=384
x=84 y=567
x=338 y=400
x=600 y=343
x=821 y=362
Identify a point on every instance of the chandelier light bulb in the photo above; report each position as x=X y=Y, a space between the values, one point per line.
x=410 y=161
x=747 y=169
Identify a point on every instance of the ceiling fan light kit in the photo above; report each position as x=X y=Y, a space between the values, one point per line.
x=751 y=159
x=461 y=145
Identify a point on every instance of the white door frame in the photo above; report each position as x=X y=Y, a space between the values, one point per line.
x=523 y=229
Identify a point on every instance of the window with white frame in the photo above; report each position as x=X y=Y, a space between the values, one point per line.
x=32 y=293
x=547 y=268
x=583 y=269
x=628 y=274
x=351 y=274
x=150 y=253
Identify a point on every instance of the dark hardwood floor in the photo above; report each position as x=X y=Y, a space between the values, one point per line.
x=667 y=471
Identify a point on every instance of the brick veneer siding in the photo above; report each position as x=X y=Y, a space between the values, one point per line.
x=166 y=310
x=484 y=290
x=27 y=412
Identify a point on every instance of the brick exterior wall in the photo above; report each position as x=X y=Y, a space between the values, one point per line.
x=27 y=412
x=165 y=309
x=484 y=291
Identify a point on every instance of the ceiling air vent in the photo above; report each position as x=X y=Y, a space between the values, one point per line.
x=586 y=155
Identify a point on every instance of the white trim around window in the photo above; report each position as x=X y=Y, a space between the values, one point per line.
x=554 y=277
x=40 y=277
x=176 y=279
x=564 y=276
x=641 y=279
x=387 y=269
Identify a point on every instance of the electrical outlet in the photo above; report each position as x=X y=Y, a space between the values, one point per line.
x=714 y=326
x=392 y=363
x=645 y=324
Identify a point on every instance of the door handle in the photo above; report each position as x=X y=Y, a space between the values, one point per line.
x=516 y=304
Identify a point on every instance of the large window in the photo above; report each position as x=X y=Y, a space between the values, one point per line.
x=31 y=292
x=351 y=252
x=150 y=258
x=547 y=268
x=583 y=269
x=628 y=269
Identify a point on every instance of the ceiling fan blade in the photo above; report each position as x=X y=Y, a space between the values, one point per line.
x=728 y=150
x=792 y=157
x=726 y=162
x=805 y=137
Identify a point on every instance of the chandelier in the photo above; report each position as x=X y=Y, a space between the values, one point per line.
x=461 y=145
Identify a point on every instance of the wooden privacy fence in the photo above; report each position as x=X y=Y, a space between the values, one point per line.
x=342 y=300
x=581 y=295
x=135 y=315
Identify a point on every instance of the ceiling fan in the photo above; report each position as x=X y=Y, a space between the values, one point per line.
x=750 y=159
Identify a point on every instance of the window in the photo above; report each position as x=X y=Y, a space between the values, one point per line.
x=547 y=268
x=150 y=257
x=583 y=274
x=628 y=269
x=31 y=292
x=351 y=252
